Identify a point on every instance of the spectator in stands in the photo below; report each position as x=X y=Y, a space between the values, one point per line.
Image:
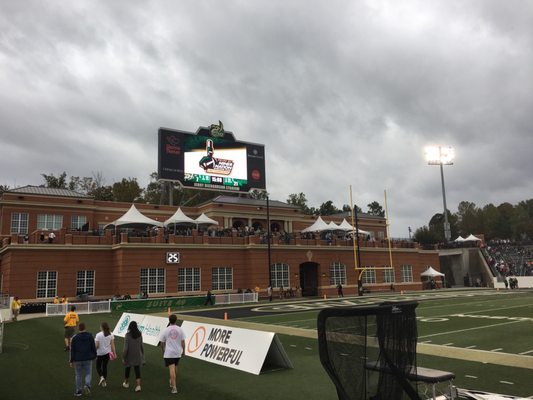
x=82 y=352
x=16 y=304
x=70 y=322
x=51 y=237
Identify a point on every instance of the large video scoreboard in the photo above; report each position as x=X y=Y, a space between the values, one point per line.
x=210 y=159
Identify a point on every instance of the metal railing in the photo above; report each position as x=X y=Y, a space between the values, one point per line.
x=89 y=307
x=236 y=298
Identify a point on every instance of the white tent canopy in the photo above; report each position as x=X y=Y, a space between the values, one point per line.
x=459 y=239
x=179 y=218
x=472 y=238
x=318 y=226
x=332 y=226
x=431 y=272
x=345 y=226
x=134 y=219
x=205 y=220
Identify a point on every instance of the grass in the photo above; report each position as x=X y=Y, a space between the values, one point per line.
x=34 y=365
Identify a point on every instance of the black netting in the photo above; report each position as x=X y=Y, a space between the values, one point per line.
x=369 y=351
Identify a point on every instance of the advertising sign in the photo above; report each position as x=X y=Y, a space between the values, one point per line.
x=211 y=159
x=157 y=303
x=243 y=349
x=150 y=326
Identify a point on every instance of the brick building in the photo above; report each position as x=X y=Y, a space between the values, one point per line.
x=85 y=257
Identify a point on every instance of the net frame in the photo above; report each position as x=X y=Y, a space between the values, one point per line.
x=369 y=352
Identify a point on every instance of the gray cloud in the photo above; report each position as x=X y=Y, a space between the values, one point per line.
x=347 y=92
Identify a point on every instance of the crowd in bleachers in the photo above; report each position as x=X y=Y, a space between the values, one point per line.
x=510 y=259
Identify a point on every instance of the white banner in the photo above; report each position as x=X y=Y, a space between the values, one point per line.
x=150 y=326
x=237 y=348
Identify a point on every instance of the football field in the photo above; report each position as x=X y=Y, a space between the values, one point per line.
x=483 y=336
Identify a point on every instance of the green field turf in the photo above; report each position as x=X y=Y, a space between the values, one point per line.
x=34 y=365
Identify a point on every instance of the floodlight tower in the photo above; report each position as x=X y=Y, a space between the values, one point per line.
x=438 y=155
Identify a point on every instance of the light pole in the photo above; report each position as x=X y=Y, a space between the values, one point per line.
x=438 y=155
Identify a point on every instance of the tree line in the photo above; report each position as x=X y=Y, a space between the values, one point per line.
x=506 y=221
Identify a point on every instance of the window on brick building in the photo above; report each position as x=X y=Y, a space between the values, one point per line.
x=388 y=275
x=222 y=278
x=77 y=222
x=189 y=279
x=369 y=275
x=19 y=223
x=406 y=273
x=49 y=221
x=152 y=280
x=279 y=275
x=85 y=282
x=337 y=274
x=46 y=284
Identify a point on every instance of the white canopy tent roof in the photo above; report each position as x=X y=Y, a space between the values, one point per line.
x=459 y=239
x=431 y=272
x=332 y=226
x=205 y=220
x=317 y=226
x=345 y=226
x=472 y=238
x=134 y=219
x=179 y=218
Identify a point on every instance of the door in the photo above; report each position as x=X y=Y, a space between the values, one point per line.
x=309 y=278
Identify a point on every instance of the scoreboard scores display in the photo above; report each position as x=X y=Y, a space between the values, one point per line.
x=210 y=159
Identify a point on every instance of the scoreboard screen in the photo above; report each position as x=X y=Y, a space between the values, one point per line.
x=210 y=161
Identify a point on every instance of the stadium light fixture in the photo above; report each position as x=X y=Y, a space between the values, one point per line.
x=439 y=155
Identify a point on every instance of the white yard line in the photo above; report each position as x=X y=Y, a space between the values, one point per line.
x=526 y=352
x=468 y=329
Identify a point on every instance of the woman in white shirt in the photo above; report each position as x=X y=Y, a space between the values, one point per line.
x=105 y=349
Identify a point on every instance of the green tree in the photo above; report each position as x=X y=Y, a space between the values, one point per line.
x=375 y=208
x=469 y=218
x=127 y=190
x=327 y=208
x=426 y=236
x=57 y=182
x=300 y=201
x=154 y=191
x=347 y=208
x=4 y=188
x=436 y=225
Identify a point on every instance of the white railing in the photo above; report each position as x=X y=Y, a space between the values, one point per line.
x=89 y=307
x=235 y=298
x=1 y=332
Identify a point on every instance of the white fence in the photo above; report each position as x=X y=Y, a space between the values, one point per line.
x=89 y=307
x=236 y=298
x=1 y=332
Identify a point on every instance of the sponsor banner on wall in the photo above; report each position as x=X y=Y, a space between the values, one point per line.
x=243 y=349
x=157 y=303
x=150 y=326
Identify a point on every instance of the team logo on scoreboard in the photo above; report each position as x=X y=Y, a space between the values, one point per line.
x=212 y=165
x=173 y=145
x=173 y=257
x=217 y=130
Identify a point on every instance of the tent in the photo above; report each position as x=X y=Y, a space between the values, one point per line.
x=134 y=219
x=205 y=220
x=431 y=272
x=345 y=226
x=332 y=226
x=459 y=239
x=472 y=238
x=318 y=226
x=179 y=218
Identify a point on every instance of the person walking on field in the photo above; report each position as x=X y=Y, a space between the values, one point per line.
x=70 y=320
x=105 y=348
x=82 y=352
x=15 y=308
x=173 y=346
x=133 y=355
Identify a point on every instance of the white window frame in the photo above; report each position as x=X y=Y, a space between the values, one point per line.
x=222 y=278
x=77 y=222
x=46 y=284
x=53 y=222
x=279 y=275
x=152 y=280
x=87 y=282
x=388 y=275
x=337 y=274
x=369 y=275
x=189 y=279
x=20 y=223
x=406 y=273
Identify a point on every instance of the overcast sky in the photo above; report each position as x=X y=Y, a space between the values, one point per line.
x=340 y=92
